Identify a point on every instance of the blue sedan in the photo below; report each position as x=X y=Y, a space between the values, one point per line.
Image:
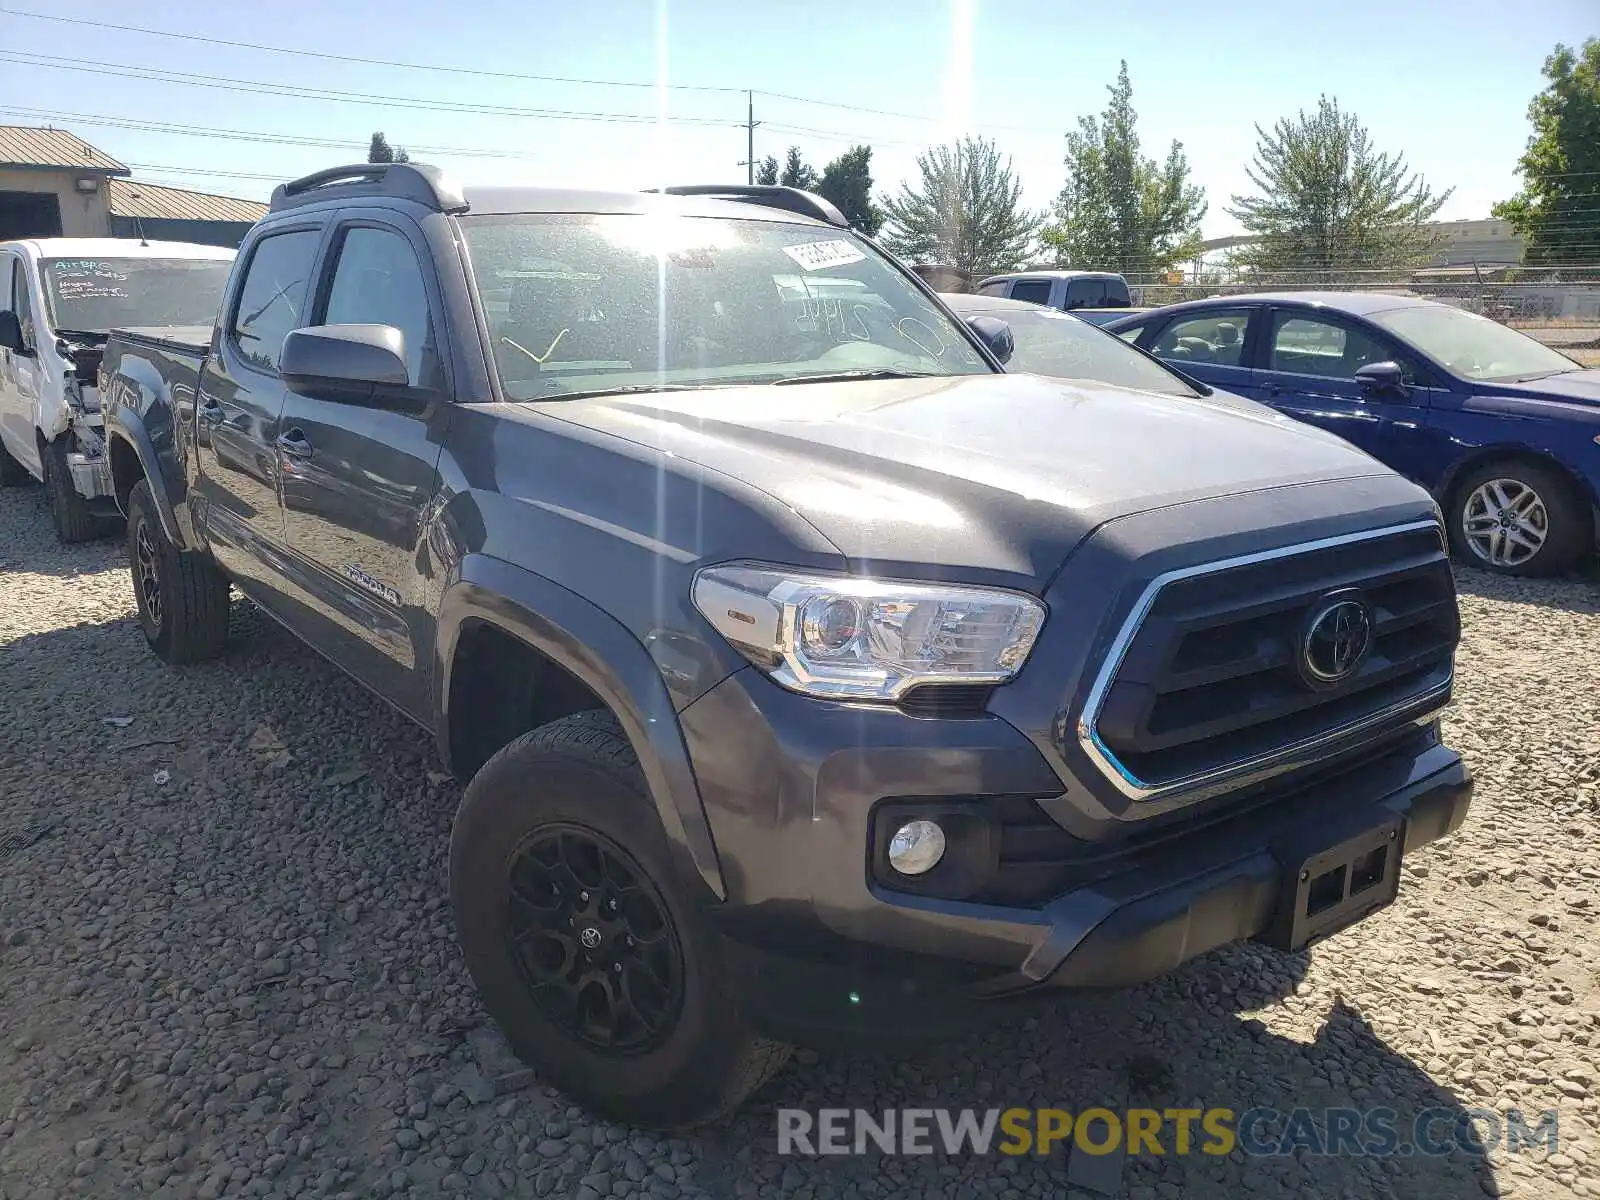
x=1503 y=430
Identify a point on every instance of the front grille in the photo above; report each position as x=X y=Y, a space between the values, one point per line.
x=1207 y=676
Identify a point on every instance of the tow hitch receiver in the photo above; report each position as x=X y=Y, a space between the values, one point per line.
x=1327 y=889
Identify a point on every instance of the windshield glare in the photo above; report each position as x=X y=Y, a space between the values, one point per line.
x=97 y=295
x=1067 y=347
x=579 y=304
x=1473 y=347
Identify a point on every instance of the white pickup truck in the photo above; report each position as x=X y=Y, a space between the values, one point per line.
x=60 y=298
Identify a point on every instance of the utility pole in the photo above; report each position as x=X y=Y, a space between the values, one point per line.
x=750 y=138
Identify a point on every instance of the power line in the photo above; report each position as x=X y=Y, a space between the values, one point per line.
x=353 y=58
x=528 y=77
x=260 y=87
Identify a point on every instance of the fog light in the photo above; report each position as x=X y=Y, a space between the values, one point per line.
x=916 y=848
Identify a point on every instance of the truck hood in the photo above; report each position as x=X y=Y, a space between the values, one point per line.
x=992 y=477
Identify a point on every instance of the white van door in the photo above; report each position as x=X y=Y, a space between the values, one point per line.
x=18 y=370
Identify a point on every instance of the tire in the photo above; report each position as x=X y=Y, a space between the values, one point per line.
x=69 y=512
x=1519 y=518
x=12 y=473
x=543 y=799
x=182 y=597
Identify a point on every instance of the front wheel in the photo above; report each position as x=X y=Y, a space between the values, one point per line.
x=1516 y=518
x=69 y=511
x=182 y=597
x=585 y=948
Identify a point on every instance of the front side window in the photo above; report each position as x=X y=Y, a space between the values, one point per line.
x=1049 y=342
x=97 y=295
x=1034 y=291
x=579 y=304
x=21 y=300
x=1311 y=346
x=993 y=289
x=1216 y=336
x=273 y=298
x=377 y=282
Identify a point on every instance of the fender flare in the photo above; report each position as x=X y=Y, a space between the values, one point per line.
x=130 y=429
x=138 y=408
x=610 y=661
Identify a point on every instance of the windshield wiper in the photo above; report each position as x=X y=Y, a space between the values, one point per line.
x=862 y=373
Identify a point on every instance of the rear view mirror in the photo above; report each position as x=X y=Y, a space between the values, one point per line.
x=345 y=362
x=11 y=333
x=1382 y=377
x=995 y=334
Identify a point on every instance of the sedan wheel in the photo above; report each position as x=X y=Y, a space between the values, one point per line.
x=1505 y=522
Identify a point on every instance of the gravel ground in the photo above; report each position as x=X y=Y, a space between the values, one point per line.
x=227 y=964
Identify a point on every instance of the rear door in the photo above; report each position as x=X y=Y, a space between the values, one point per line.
x=1308 y=363
x=356 y=479
x=1211 y=344
x=240 y=402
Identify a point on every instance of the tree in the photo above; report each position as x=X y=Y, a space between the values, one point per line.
x=847 y=181
x=381 y=152
x=796 y=172
x=767 y=171
x=1119 y=210
x=966 y=211
x=1329 y=200
x=1558 y=208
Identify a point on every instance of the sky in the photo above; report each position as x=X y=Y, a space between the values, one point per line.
x=1444 y=82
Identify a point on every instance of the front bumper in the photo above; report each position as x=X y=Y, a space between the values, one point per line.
x=820 y=945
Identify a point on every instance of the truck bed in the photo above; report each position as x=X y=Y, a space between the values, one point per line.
x=187 y=339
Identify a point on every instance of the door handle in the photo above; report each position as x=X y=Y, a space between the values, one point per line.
x=294 y=444
x=211 y=412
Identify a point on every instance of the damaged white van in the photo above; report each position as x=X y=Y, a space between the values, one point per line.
x=59 y=300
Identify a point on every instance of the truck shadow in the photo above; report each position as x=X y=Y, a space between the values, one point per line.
x=30 y=546
x=1175 y=1043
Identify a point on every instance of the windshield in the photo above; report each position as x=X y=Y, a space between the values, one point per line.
x=97 y=295
x=1062 y=345
x=579 y=304
x=1472 y=346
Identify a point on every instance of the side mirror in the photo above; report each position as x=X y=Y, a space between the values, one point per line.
x=995 y=334
x=358 y=363
x=1382 y=377
x=11 y=333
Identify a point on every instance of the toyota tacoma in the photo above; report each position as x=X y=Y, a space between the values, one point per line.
x=811 y=674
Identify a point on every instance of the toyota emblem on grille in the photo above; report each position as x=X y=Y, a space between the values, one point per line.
x=1338 y=635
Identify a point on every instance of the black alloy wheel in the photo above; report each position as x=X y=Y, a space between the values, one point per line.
x=593 y=941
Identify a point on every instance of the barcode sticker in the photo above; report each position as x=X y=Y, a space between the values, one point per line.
x=817 y=256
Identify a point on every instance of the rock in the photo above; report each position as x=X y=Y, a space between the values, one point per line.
x=474 y=1165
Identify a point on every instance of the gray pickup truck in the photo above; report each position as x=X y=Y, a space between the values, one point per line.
x=812 y=675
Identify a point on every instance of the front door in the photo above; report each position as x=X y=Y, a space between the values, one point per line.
x=357 y=478
x=239 y=405
x=1211 y=346
x=1308 y=371
x=20 y=373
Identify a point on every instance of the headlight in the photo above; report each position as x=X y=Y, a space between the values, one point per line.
x=851 y=638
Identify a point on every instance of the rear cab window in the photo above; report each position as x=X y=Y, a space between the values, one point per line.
x=1034 y=291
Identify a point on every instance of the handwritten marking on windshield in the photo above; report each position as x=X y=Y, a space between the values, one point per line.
x=536 y=358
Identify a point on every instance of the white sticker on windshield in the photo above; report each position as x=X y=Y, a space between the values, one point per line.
x=817 y=256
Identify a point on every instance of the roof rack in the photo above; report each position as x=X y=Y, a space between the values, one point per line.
x=405 y=181
x=789 y=199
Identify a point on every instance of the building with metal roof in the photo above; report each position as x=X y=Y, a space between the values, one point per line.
x=55 y=184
